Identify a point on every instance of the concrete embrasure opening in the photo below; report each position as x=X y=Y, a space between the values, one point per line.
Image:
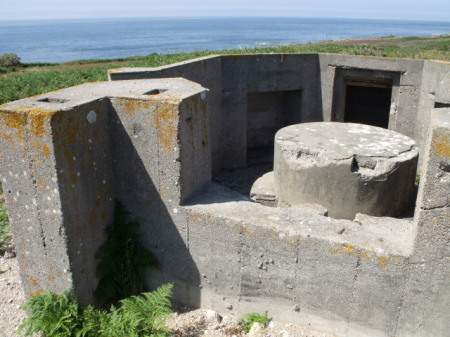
x=368 y=105
x=268 y=112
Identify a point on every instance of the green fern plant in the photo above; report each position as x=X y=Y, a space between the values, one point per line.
x=249 y=319
x=142 y=315
x=54 y=315
x=61 y=316
x=123 y=260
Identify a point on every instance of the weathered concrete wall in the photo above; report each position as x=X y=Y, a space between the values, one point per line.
x=206 y=71
x=406 y=77
x=67 y=155
x=427 y=288
x=76 y=156
x=230 y=80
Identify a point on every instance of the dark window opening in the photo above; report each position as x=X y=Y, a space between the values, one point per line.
x=368 y=105
x=267 y=112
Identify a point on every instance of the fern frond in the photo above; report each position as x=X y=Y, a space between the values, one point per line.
x=123 y=261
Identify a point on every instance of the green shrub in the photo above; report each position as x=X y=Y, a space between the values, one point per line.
x=54 y=315
x=5 y=229
x=123 y=260
x=141 y=315
x=9 y=60
x=61 y=316
x=249 y=319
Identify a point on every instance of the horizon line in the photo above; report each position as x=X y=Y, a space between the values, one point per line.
x=192 y=17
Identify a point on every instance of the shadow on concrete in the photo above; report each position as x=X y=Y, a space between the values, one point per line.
x=137 y=191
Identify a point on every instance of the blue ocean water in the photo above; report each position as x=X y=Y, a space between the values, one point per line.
x=68 y=40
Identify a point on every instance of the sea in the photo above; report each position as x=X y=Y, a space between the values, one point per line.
x=80 y=39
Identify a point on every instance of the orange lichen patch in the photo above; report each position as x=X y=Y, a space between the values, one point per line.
x=164 y=191
x=39 y=118
x=244 y=229
x=131 y=106
x=195 y=217
x=34 y=293
x=166 y=122
x=349 y=249
x=34 y=282
x=383 y=262
x=6 y=136
x=86 y=159
x=50 y=277
x=13 y=120
x=69 y=157
x=92 y=217
x=58 y=274
x=442 y=145
x=46 y=150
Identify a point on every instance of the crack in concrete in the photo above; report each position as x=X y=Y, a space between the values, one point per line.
x=35 y=192
x=433 y=208
x=352 y=305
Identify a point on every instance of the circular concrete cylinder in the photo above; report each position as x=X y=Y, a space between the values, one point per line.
x=348 y=168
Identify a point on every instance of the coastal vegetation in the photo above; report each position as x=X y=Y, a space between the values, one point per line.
x=27 y=80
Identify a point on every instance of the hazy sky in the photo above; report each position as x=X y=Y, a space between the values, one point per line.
x=435 y=10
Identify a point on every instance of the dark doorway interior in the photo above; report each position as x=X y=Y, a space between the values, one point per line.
x=267 y=112
x=368 y=105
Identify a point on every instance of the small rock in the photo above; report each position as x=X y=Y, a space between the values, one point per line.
x=296 y=308
x=212 y=317
x=256 y=330
x=229 y=306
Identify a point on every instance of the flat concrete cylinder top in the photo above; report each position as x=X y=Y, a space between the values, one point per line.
x=348 y=168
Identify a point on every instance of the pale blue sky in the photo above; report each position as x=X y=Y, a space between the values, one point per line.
x=428 y=10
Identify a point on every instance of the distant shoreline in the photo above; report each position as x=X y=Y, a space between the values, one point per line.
x=58 y=41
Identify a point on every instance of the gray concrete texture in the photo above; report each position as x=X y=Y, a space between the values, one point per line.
x=346 y=167
x=154 y=145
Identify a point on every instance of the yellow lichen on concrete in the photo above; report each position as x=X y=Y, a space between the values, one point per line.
x=46 y=150
x=39 y=118
x=441 y=143
x=348 y=249
x=11 y=120
x=165 y=119
x=131 y=106
x=244 y=229
x=383 y=262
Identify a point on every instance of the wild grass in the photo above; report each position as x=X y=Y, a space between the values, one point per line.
x=34 y=79
x=5 y=229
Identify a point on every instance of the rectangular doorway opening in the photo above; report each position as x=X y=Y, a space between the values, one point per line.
x=267 y=112
x=368 y=104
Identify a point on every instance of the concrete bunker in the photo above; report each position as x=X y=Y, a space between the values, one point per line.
x=157 y=154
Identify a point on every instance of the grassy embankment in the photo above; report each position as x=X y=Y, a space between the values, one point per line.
x=34 y=79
